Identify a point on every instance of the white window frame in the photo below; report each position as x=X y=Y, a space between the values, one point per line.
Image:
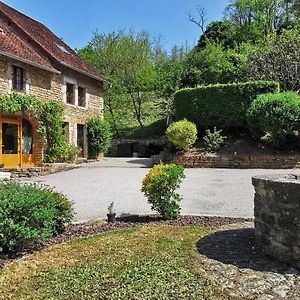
x=73 y=81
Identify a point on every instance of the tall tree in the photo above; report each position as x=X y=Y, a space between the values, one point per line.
x=216 y=64
x=267 y=15
x=279 y=61
x=169 y=70
x=125 y=58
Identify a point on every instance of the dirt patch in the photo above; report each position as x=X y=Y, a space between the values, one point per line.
x=245 y=145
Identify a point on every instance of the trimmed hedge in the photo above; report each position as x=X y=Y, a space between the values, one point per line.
x=222 y=105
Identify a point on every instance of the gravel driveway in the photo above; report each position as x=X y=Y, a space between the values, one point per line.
x=215 y=192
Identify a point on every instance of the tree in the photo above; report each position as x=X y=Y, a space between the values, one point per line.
x=142 y=76
x=103 y=52
x=296 y=8
x=125 y=58
x=279 y=61
x=223 y=32
x=267 y=15
x=216 y=64
x=200 y=19
x=169 y=70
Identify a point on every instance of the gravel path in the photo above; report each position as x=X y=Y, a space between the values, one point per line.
x=212 y=192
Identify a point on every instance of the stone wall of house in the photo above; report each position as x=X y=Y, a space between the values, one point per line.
x=3 y=75
x=75 y=114
x=277 y=216
x=47 y=85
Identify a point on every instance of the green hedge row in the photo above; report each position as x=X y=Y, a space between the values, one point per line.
x=222 y=105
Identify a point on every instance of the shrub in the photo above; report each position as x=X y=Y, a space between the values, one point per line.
x=160 y=185
x=99 y=137
x=29 y=212
x=221 y=105
x=182 y=134
x=62 y=152
x=277 y=114
x=213 y=140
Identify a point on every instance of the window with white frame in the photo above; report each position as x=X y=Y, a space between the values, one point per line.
x=74 y=93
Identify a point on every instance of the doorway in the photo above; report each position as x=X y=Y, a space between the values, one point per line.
x=16 y=139
x=80 y=139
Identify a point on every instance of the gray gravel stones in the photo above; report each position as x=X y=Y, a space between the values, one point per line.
x=233 y=261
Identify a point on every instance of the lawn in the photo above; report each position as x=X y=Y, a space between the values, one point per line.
x=148 y=262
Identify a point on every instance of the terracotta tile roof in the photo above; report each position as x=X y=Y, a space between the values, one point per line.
x=51 y=45
x=13 y=46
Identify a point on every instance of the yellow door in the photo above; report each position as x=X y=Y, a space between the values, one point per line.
x=11 y=146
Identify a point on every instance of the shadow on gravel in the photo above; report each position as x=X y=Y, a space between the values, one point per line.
x=143 y=162
x=237 y=247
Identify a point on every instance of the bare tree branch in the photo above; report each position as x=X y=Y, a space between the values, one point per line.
x=200 y=19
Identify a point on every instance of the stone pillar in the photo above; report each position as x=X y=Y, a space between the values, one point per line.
x=277 y=216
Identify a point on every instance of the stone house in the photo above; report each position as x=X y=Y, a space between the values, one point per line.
x=34 y=61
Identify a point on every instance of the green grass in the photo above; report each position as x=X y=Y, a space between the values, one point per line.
x=151 y=262
x=153 y=118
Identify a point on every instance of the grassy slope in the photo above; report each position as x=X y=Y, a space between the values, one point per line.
x=151 y=262
x=154 y=120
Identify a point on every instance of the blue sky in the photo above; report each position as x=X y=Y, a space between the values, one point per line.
x=76 y=20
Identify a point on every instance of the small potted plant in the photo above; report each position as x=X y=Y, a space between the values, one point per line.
x=111 y=216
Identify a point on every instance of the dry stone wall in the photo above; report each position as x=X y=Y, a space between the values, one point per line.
x=238 y=161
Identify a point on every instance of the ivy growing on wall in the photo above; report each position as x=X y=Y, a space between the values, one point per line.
x=49 y=114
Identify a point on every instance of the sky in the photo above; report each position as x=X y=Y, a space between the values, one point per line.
x=75 y=21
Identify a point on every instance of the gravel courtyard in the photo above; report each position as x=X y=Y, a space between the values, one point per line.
x=214 y=192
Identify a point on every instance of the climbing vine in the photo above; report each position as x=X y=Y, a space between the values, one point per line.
x=49 y=114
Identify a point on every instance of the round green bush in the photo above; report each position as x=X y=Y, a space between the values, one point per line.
x=99 y=137
x=277 y=114
x=160 y=185
x=30 y=212
x=182 y=134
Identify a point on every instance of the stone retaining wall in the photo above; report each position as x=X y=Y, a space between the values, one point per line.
x=40 y=171
x=238 y=161
x=277 y=216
